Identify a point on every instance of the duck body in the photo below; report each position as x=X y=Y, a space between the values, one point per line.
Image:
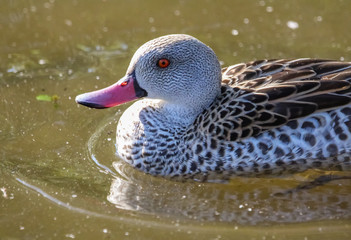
x=262 y=117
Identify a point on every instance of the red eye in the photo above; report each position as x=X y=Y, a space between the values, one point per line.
x=123 y=84
x=163 y=63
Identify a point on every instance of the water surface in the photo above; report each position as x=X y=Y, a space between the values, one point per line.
x=59 y=175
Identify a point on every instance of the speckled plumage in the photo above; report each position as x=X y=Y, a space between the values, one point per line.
x=268 y=116
x=261 y=123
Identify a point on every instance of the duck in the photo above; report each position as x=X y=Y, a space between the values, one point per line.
x=195 y=119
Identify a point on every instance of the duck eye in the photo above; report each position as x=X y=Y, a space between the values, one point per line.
x=125 y=83
x=163 y=63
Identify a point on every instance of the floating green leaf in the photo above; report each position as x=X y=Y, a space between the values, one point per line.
x=44 y=97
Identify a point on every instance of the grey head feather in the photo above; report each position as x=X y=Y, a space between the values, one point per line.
x=191 y=80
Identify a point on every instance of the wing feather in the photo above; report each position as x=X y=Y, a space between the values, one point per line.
x=266 y=94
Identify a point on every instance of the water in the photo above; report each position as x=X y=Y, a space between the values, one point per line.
x=59 y=175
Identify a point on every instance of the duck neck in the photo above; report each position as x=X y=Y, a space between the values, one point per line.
x=183 y=115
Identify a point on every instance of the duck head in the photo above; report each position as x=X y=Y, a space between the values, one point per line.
x=178 y=69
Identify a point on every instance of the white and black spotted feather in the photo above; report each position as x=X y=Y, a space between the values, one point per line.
x=262 y=117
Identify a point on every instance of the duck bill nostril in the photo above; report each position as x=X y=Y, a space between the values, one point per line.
x=125 y=90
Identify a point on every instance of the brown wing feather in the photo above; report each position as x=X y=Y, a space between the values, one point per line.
x=266 y=94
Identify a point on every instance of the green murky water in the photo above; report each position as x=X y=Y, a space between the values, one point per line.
x=59 y=176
